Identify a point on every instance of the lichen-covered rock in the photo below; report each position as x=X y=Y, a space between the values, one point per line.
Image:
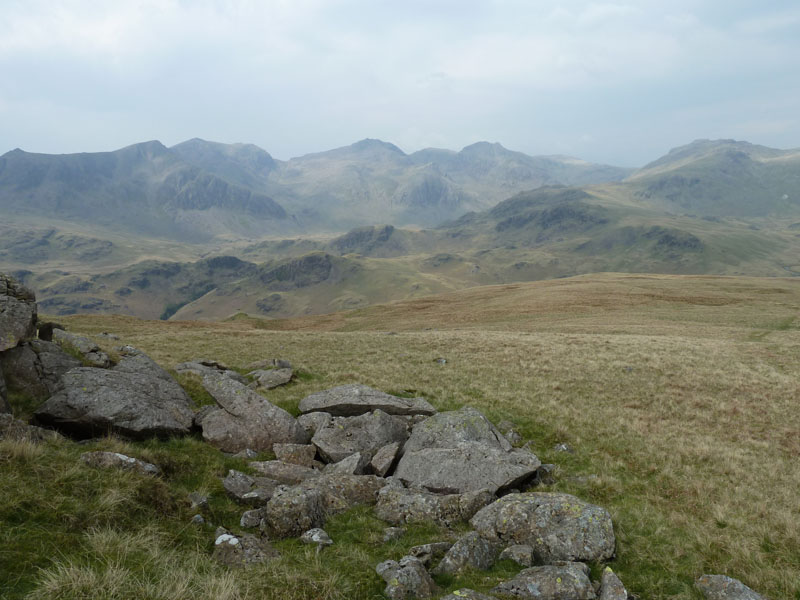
x=285 y=473
x=611 y=587
x=271 y=378
x=245 y=418
x=244 y=489
x=342 y=492
x=298 y=454
x=36 y=367
x=354 y=399
x=316 y=536
x=470 y=551
x=91 y=352
x=559 y=527
x=467 y=594
x=115 y=460
x=368 y=433
x=291 y=511
x=311 y=422
x=17 y=313
x=427 y=553
x=448 y=429
x=522 y=554
x=242 y=550
x=568 y=581
x=251 y=518
x=352 y=465
x=14 y=429
x=398 y=506
x=722 y=587
x=406 y=579
x=382 y=461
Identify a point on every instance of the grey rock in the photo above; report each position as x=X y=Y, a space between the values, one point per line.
x=342 y=492
x=298 y=454
x=391 y=534
x=383 y=460
x=316 y=536
x=272 y=378
x=115 y=460
x=14 y=429
x=17 y=313
x=470 y=551
x=198 y=500
x=510 y=432
x=563 y=447
x=311 y=422
x=198 y=520
x=352 y=465
x=285 y=473
x=354 y=399
x=467 y=594
x=36 y=367
x=91 y=352
x=108 y=336
x=252 y=518
x=449 y=429
x=427 y=553
x=242 y=550
x=399 y=506
x=291 y=511
x=569 y=581
x=545 y=475
x=246 y=419
x=522 y=554
x=611 y=587
x=244 y=489
x=270 y=363
x=366 y=433
x=204 y=366
x=406 y=579
x=722 y=587
x=557 y=526
x=123 y=400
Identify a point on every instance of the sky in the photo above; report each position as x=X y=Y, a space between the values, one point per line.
x=612 y=82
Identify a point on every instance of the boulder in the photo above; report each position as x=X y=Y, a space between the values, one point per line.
x=14 y=429
x=354 y=399
x=559 y=527
x=522 y=554
x=251 y=518
x=316 y=536
x=242 y=550
x=568 y=581
x=271 y=378
x=285 y=473
x=611 y=587
x=270 y=363
x=430 y=552
x=367 y=433
x=352 y=465
x=406 y=579
x=342 y=492
x=298 y=454
x=91 y=352
x=136 y=399
x=398 y=506
x=291 y=511
x=115 y=460
x=246 y=419
x=471 y=551
x=17 y=313
x=382 y=461
x=244 y=489
x=311 y=422
x=204 y=366
x=36 y=367
x=449 y=429
x=722 y=587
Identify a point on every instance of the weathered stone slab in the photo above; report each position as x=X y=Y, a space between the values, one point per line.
x=398 y=506
x=268 y=379
x=285 y=473
x=355 y=399
x=343 y=436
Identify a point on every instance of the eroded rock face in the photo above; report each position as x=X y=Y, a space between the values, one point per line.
x=559 y=527
x=17 y=313
x=722 y=587
x=343 y=436
x=569 y=581
x=355 y=399
x=115 y=460
x=398 y=506
x=406 y=579
x=36 y=367
x=246 y=419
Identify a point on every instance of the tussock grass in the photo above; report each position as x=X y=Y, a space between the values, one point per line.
x=678 y=394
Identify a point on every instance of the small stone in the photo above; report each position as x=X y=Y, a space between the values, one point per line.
x=272 y=378
x=247 y=453
x=243 y=550
x=470 y=551
x=391 y=534
x=384 y=459
x=198 y=520
x=430 y=552
x=251 y=518
x=316 y=536
x=563 y=447
x=115 y=460
x=198 y=500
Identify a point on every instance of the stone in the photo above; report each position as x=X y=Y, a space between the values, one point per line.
x=36 y=367
x=14 y=429
x=722 y=587
x=355 y=399
x=522 y=554
x=291 y=511
x=611 y=587
x=17 y=313
x=545 y=475
x=115 y=460
x=383 y=460
x=342 y=492
x=298 y=454
x=247 y=453
x=244 y=489
x=92 y=354
x=251 y=518
x=367 y=433
x=559 y=527
x=390 y=534
x=135 y=399
x=311 y=422
x=568 y=581
x=285 y=473
x=449 y=429
x=427 y=553
x=198 y=520
x=316 y=536
x=270 y=363
x=470 y=551
x=352 y=465
x=509 y=431
x=406 y=579
x=563 y=447
x=242 y=550
x=467 y=594
x=198 y=500
x=399 y=506
x=246 y=419
x=204 y=366
x=272 y=378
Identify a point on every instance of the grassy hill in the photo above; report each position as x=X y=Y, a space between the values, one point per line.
x=677 y=393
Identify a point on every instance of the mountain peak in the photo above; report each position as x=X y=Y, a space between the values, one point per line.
x=372 y=144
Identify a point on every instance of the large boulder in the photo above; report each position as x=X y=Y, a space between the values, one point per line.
x=137 y=399
x=17 y=313
x=245 y=418
x=449 y=429
x=568 y=581
x=559 y=527
x=88 y=349
x=344 y=436
x=355 y=399
x=36 y=367
x=398 y=506
x=722 y=587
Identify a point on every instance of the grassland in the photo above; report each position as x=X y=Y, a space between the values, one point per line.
x=678 y=394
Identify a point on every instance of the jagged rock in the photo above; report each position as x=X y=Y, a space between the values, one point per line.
x=14 y=429
x=237 y=483
x=115 y=460
x=391 y=534
x=406 y=579
x=722 y=587
x=427 y=553
x=242 y=488
x=352 y=465
x=90 y=351
x=17 y=313
x=291 y=511
x=205 y=366
x=522 y=554
x=285 y=473
x=557 y=526
x=355 y=399
x=569 y=581
x=272 y=378
x=246 y=419
x=241 y=550
x=136 y=398
x=398 y=506
x=252 y=518
x=313 y=421
x=298 y=454
x=470 y=551
x=611 y=587
x=36 y=367
x=198 y=500
x=316 y=536
x=384 y=458
x=344 y=436
x=270 y=363
x=467 y=594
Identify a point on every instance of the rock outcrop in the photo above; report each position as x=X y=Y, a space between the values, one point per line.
x=17 y=313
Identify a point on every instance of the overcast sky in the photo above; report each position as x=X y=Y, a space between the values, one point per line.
x=617 y=82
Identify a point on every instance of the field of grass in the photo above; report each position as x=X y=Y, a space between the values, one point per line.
x=678 y=394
